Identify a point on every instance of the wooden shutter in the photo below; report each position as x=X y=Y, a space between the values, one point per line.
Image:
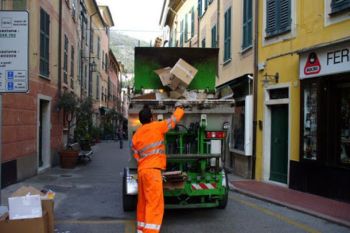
x=271 y=17
x=199 y=8
x=340 y=5
x=284 y=16
x=227 y=47
x=247 y=23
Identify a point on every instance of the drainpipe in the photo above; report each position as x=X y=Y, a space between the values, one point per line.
x=59 y=50
x=255 y=82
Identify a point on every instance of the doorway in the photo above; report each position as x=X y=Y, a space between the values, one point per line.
x=44 y=141
x=279 y=143
x=276 y=134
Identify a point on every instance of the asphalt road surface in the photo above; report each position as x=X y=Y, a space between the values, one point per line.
x=89 y=200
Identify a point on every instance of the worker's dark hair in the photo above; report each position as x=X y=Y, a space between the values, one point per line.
x=145 y=115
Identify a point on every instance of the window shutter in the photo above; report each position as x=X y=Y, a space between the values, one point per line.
x=213 y=37
x=186 y=28
x=339 y=5
x=199 y=8
x=192 y=22
x=271 y=17
x=247 y=24
x=284 y=14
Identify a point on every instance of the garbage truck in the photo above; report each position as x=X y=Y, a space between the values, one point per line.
x=197 y=147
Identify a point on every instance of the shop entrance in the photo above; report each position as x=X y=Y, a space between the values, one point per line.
x=279 y=143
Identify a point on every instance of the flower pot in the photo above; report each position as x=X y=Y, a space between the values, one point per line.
x=68 y=158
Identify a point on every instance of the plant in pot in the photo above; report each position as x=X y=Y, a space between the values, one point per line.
x=68 y=104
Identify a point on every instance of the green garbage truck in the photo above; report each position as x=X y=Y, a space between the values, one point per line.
x=196 y=149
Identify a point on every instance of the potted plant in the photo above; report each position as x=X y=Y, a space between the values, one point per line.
x=68 y=104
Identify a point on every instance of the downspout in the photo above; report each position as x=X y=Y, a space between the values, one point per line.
x=198 y=32
x=59 y=50
x=255 y=83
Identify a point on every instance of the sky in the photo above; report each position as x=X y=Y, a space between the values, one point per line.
x=136 y=18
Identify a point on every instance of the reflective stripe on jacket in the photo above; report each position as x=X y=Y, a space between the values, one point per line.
x=148 y=141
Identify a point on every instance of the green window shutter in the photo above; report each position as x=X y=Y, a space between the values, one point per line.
x=192 y=22
x=213 y=37
x=284 y=15
x=247 y=23
x=340 y=5
x=227 y=35
x=186 y=28
x=271 y=17
x=278 y=17
x=181 y=33
x=200 y=8
x=44 y=43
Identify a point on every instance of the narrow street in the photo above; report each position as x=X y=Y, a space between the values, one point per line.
x=88 y=200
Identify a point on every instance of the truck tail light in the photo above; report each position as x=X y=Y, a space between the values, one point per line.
x=215 y=134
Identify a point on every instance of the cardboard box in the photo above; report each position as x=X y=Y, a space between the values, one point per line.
x=178 y=93
x=33 y=225
x=47 y=204
x=167 y=78
x=184 y=72
x=26 y=206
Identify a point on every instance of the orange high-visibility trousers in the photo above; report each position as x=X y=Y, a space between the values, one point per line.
x=150 y=204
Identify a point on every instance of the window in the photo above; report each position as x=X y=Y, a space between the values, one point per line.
x=203 y=43
x=72 y=61
x=44 y=43
x=65 y=60
x=98 y=47
x=200 y=7
x=181 y=33
x=91 y=40
x=106 y=62
x=186 y=27
x=213 y=37
x=310 y=121
x=227 y=35
x=247 y=23
x=98 y=88
x=192 y=22
x=340 y=5
x=278 y=17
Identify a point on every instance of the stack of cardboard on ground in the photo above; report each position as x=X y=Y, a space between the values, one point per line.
x=177 y=78
x=30 y=211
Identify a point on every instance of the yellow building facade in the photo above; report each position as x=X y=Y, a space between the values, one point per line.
x=303 y=102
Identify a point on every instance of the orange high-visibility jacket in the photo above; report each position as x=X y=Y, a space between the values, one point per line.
x=148 y=142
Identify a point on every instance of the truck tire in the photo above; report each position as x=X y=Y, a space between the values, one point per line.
x=129 y=201
x=223 y=202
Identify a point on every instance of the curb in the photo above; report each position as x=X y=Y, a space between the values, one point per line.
x=294 y=207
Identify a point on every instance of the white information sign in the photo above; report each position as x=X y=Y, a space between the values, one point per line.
x=14 y=51
x=325 y=61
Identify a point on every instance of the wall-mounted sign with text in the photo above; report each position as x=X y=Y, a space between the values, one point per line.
x=14 y=51
x=325 y=61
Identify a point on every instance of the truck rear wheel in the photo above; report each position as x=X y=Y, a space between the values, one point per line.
x=129 y=201
x=223 y=201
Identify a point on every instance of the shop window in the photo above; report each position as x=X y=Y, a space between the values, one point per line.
x=238 y=127
x=310 y=122
x=345 y=125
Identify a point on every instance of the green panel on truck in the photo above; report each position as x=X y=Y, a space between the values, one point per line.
x=148 y=59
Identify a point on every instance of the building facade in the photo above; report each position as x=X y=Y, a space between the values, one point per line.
x=33 y=128
x=303 y=96
x=210 y=24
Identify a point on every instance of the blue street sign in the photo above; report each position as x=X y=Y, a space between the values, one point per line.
x=10 y=86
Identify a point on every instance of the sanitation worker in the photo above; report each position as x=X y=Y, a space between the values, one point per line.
x=149 y=151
